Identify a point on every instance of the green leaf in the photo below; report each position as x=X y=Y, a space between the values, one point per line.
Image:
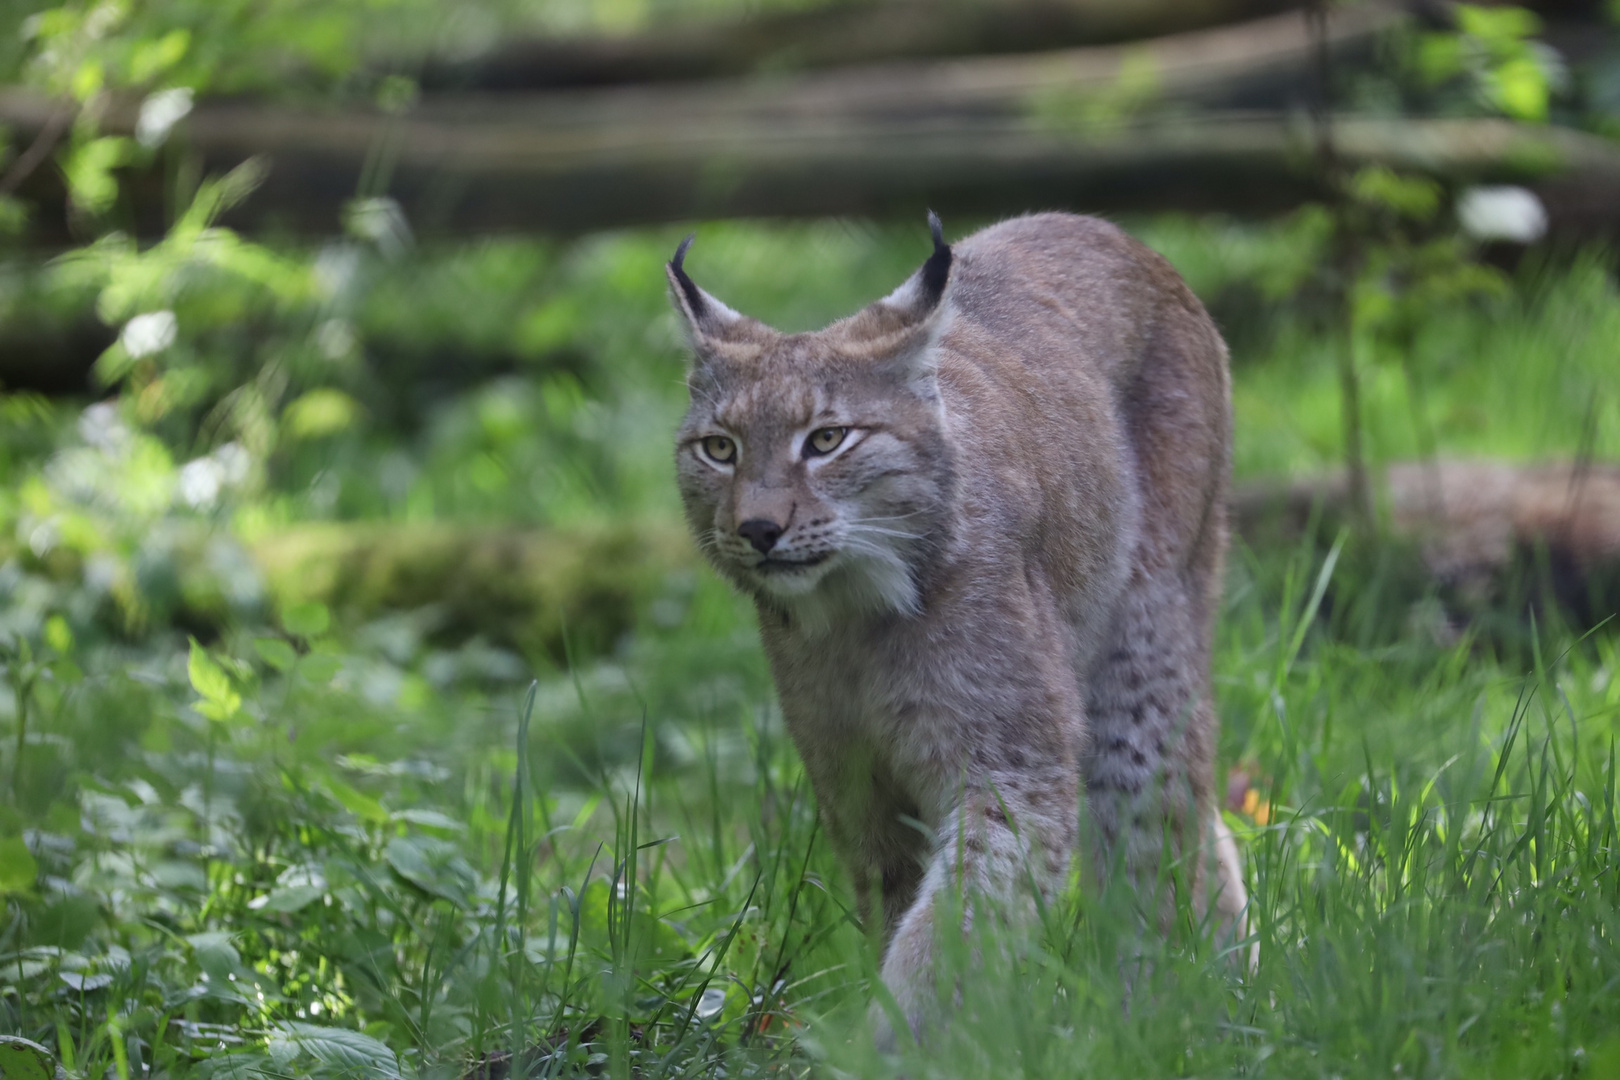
x=149 y=59
x=13 y=215
x=18 y=870
x=214 y=952
x=1440 y=57
x=320 y=667
x=1497 y=25
x=275 y=652
x=87 y=80
x=431 y=820
x=288 y=898
x=1519 y=87
x=359 y=804
x=248 y=1065
x=21 y=1059
x=220 y=712
x=58 y=635
x=350 y=1053
x=1415 y=197
x=207 y=677
x=433 y=865
x=306 y=620
x=89 y=172
x=86 y=982
x=65 y=922
x=320 y=413
x=648 y=942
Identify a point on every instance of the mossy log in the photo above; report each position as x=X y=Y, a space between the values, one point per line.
x=1490 y=536
x=540 y=591
x=1492 y=540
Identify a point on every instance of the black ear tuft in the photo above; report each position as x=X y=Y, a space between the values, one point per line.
x=694 y=295
x=937 y=270
x=680 y=253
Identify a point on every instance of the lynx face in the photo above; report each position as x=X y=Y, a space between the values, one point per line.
x=814 y=467
x=809 y=471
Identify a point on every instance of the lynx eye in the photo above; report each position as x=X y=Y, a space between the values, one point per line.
x=824 y=441
x=719 y=449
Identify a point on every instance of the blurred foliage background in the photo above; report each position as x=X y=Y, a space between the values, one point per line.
x=337 y=381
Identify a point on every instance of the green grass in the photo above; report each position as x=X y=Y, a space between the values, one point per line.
x=1435 y=887
x=392 y=858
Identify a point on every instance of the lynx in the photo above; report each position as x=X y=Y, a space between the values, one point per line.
x=983 y=523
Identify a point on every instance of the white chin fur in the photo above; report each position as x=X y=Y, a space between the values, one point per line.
x=830 y=593
x=789 y=584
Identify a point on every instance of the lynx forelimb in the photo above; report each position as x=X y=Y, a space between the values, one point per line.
x=983 y=523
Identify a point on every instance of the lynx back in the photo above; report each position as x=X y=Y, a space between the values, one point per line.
x=983 y=523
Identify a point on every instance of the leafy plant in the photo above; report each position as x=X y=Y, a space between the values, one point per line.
x=1494 y=53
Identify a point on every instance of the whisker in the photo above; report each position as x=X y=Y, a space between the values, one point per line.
x=884 y=517
x=873 y=530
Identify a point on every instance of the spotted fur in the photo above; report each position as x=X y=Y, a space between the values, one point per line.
x=998 y=591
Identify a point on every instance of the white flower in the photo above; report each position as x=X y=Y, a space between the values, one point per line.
x=336 y=269
x=101 y=572
x=201 y=481
x=159 y=113
x=234 y=462
x=380 y=220
x=1504 y=212
x=102 y=427
x=146 y=334
x=335 y=338
x=43 y=538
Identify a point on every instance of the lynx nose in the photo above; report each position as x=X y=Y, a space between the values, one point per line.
x=761 y=533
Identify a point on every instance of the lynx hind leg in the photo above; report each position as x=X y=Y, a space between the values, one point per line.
x=1231 y=899
x=1149 y=761
x=1016 y=833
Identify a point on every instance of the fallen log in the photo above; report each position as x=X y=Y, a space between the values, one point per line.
x=482 y=172
x=855 y=32
x=477 y=174
x=1491 y=537
x=1492 y=540
x=568 y=166
x=542 y=592
x=1106 y=129
x=830 y=35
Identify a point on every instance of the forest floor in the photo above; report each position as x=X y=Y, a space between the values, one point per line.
x=356 y=843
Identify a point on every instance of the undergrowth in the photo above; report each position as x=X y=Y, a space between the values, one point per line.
x=239 y=862
x=341 y=844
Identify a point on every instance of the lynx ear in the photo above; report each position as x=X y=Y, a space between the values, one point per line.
x=706 y=317
x=911 y=320
x=919 y=297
